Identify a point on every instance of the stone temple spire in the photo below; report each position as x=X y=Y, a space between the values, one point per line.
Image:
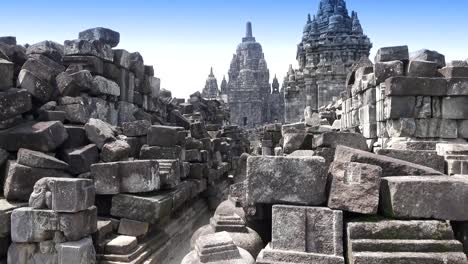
x=357 y=28
x=248 y=33
x=211 y=87
x=211 y=72
x=275 y=85
x=224 y=85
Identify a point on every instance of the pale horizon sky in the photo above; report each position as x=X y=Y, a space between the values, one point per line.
x=184 y=38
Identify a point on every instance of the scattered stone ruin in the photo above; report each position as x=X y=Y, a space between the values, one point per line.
x=99 y=164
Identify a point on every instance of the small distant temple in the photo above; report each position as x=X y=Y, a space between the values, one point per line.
x=248 y=91
x=211 y=90
x=332 y=44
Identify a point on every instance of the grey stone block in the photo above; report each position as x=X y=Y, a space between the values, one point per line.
x=91 y=63
x=385 y=70
x=14 y=102
x=390 y=166
x=156 y=152
x=164 y=136
x=354 y=187
x=105 y=35
x=399 y=193
x=106 y=177
x=81 y=251
x=418 y=68
x=422 y=157
x=80 y=47
x=133 y=228
x=99 y=132
x=41 y=136
x=415 y=86
x=103 y=86
x=20 y=180
x=121 y=245
x=149 y=207
x=38 y=159
x=50 y=49
x=392 y=54
x=454 y=72
x=455 y=107
x=81 y=159
x=139 y=176
x=333 y=139
x=137 y=128
x=115 y=151
x=7 y=70
x=68 y=195
x=270 y=179
x=429 y=55
x=457 y=87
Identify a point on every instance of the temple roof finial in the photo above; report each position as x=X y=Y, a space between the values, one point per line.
x=309 y=18
x=248 y=33
x=211 y=72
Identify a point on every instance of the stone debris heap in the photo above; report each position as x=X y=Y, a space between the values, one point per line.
x=98 y=163
x=329 y=199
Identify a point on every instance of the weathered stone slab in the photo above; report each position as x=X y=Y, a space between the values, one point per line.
x=105 y=35
x=50 y=49
x=90 y=63
x=38 y=159
x=156 y=152
x=41 y=136
x=35 y=225
x=169 y=173
x=68 y=195
x=99 y=132
x=429 y=55
x=270 y=180
x=39 y=89
x=164 y=136
x=106 y=178
x=139 y=176
x=385 y=70
x=115 y=151
x=149 y=207
x=7 y=70
x=333 y=139
x=454 y=71
x=43 y=67
x=81 y=251
x=82 y=47
x=6 y=208
x=418 y=68
x=14 y=102
x=293 y=137
x=313 y=235
x=76 y=137
x=81 y=159
x=20 y=180
x=393 y=241
x=455 y=107
x=392 y=54
x=133 y=228
x=436 y=128
x=415 y=86
x=354 y=187
x=121 y=245
x=137 y=128
x=422 y=157
x=103 y=86
x=400 y=193
x=457 y=87
x=390 y=166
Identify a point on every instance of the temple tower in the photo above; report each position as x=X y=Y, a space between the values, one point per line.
x=333 y=43
x=248 y=88
x=211 y=90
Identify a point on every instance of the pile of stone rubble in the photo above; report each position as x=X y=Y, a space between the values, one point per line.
x=324 y=196
x=98 y=164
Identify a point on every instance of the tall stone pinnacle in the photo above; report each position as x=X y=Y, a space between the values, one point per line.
x=248 y=33
x=211 y=72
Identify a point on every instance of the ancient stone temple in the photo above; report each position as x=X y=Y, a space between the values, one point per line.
x=333 y=42
x=276 y=103
x=248 y=87
x=211 y=90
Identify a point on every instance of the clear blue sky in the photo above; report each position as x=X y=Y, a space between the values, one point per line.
x=184 y=38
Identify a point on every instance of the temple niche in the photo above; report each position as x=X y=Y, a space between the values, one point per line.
x=248 y=90
x=332 y=44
